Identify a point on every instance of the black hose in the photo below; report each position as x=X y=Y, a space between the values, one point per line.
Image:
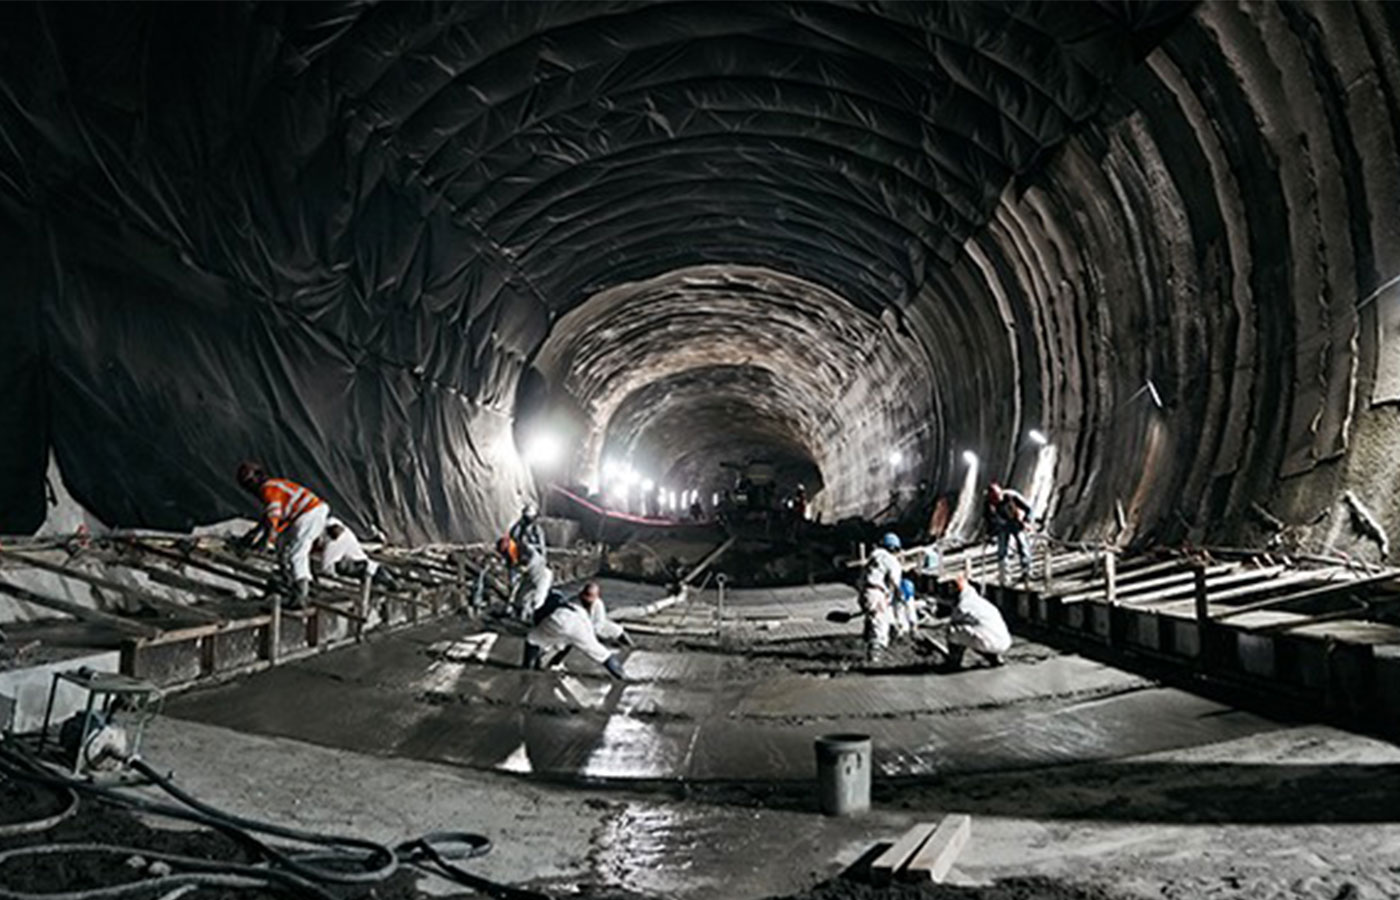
x=34 y=826
x=296 y=872
x=204 y=873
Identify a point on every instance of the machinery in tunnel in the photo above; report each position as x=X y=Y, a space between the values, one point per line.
x=766 y=279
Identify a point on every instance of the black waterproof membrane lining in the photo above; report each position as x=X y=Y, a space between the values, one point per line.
x=331 y=236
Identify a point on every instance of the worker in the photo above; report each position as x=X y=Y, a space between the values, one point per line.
x=1008 y=515
x=974 y=624
x=564 y=623
x=293 y=518
x=879 y=585
x=532 y=561
x=342 y=554
x=905 y=614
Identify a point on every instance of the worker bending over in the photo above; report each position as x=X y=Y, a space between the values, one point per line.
x=879 y=586
x=342 y=554
x=564 y=623
x=1008 y=516
x=974 y=624
x=532 y=563
x=292 y=519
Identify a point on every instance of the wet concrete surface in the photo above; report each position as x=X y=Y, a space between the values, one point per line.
x=452 y=692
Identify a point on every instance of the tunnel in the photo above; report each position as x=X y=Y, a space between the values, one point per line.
x=624 y=261
x=820 y=233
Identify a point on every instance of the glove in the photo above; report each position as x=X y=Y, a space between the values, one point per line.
x=614 y=667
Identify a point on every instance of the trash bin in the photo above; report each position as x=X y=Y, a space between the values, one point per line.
x=843 y=773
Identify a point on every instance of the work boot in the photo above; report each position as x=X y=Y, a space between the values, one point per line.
x=995 y=660
x=954 y=659
x=874 y=655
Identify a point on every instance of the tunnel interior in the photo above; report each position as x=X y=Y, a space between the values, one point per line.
x=433 y=262
x=867 y=243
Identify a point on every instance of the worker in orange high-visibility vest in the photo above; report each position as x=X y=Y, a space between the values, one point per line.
x=293 y=518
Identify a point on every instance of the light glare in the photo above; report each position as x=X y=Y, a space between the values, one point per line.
x=543 y=450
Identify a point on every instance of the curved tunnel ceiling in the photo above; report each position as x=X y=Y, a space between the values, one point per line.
x=733 y=355
x=334 y=235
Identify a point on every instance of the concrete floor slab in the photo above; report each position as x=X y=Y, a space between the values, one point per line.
x=691 y=716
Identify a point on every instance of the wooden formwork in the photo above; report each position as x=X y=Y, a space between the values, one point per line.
x=1308 y=629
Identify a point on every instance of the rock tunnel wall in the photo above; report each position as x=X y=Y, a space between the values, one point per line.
x=334 y=236
x=1222 y=231
x=724 y=363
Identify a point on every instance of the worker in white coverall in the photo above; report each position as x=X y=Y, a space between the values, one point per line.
x=905 y=612
x=532 y=563
x=292 y=517
x=341 y=553
x=974 y=624
x=879 y=586
x=562 y=624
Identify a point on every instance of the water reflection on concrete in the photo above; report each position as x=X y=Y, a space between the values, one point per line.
x=435 y=693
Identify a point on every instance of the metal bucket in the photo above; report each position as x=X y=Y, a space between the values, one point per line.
x=843 y=773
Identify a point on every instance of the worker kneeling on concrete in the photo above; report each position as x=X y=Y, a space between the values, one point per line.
x=532 y=563
x=342 y=554
x=562 y=624
x=293 y=518
x=974 y=624
x=879 y=586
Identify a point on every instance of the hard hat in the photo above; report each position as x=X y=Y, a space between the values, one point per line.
x=529 y=511
x=890 y=541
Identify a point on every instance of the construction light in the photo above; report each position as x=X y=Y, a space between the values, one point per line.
x=896 y=458
x=648 y=484
x=969 y=457
x=611 y=470
x=1038 y=437
x=631 y=476
x=543 y=450
x=1156 y=397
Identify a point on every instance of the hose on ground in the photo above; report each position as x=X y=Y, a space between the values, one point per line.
x=339 y=860
x=34 y=826
x=204 y=873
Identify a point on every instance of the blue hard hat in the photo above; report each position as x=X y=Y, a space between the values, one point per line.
x=890 y=541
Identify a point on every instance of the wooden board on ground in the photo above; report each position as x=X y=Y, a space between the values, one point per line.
x=883 y=869
x=941 y=850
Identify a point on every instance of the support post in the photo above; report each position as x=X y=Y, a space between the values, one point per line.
x=274 y=630
x=1049 y=568
x=720 y=582
x=1198 y=571
x=362 y=605
x=1110 y=572
x=460 y=559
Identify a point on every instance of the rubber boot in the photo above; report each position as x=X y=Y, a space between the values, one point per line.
x=954 y=660
x=533 y=656
x=614 y=666
x=995 y=660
